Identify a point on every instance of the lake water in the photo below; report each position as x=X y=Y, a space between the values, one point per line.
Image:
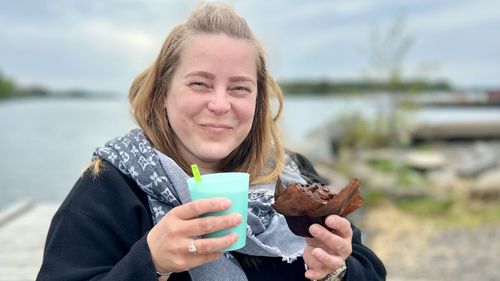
x=45 y=143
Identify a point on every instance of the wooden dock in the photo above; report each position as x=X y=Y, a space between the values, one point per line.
x=457 y=130
x=23 y=229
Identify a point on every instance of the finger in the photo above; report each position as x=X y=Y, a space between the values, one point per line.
x=202 y=206
x=340 y=225
x=188 y=261
x=323 y=263
x=325 y=236
x=334 y=243
x=315 y=274
x=327 y=261
x=208 y=246
x=203 y=259
x=309 y=259
x=205 y=225
x=314 y=270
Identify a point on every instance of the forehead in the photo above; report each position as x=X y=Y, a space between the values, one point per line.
x=219 y=53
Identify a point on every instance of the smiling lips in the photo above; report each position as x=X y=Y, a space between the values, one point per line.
x=216 y=128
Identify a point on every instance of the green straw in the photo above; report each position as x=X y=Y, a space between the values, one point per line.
x=196 y=173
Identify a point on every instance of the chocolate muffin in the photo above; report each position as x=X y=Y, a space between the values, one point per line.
x=306 y=204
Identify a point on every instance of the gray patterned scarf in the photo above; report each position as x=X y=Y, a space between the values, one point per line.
x=164 y=182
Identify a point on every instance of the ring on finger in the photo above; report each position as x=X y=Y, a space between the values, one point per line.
x=307 y=268
x=192 y=246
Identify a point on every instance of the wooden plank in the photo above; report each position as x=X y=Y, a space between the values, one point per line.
x=14 y=210
x=21 y=243
x=457 y=130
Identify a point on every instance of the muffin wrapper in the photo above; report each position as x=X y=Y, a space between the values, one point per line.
x=301 y=211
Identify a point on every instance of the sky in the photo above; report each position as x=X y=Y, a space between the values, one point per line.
x=103 y=45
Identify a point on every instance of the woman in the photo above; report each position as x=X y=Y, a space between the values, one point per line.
x=205 y=100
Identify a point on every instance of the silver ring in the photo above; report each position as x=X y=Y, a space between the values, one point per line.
x=307 y=268
x=192 y=247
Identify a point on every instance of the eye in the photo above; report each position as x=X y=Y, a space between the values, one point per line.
x=240 y=90
x=198 y=85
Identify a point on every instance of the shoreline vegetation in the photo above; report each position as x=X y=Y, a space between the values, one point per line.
x=10 y=89
x=326 y=87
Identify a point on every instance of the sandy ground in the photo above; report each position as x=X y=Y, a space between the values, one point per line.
x=416 y=250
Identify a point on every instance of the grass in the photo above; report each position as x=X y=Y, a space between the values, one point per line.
x=450 y=213
x=426 y=206
x=373 y=197
x=405 y=175
x=383 y=165
x=473 y=216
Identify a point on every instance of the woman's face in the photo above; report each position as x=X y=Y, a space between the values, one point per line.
x=211 y=99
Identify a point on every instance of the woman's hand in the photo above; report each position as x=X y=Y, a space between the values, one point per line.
x=329 y=248
x=169 y=240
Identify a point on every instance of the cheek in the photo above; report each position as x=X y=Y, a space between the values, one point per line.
x=189 y=107
x=182 y=108
x=247 y=111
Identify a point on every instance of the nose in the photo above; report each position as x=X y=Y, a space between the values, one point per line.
x=219 y=102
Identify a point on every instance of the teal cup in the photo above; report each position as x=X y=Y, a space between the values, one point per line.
x=233 y=186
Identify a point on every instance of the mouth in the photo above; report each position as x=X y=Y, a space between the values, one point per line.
x=216 y=128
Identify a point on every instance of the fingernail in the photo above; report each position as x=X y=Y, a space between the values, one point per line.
x=225 y=203
x=330 y=220
x=238 y=218
x=314 y=230
x=234 y=237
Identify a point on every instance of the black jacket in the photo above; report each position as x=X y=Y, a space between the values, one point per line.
x=99 y=233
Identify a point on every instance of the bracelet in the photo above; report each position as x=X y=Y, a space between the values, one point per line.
x=337 y=274
x=160 y=274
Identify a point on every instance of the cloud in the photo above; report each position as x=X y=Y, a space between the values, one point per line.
x=104 y=44
x=456 y=16
x=92 y=45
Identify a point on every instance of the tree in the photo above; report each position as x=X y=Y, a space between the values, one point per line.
x=7 y=86
x=387 y=53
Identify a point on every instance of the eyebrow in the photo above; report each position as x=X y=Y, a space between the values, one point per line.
x=200 y=73
x=241 y=78
x=211 y=76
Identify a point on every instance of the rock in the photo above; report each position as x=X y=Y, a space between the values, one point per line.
x=381 y=154
x=445 y=180
x=474 y=167
x=487 y=187
x=425 y=160
x=363 y=172
x=383 y=181
x=479 y=159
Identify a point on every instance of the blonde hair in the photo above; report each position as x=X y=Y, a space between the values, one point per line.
x=149 y=89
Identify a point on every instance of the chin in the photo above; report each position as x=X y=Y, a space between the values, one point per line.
x=214 y=155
